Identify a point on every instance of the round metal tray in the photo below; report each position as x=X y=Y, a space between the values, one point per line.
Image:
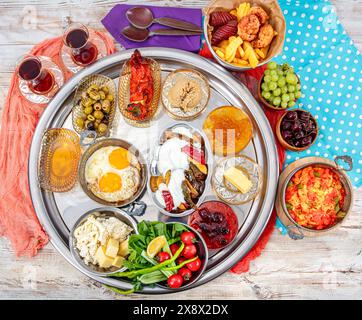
x=59 y=211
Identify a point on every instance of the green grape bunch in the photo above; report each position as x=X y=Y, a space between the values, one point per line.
x=280 y=86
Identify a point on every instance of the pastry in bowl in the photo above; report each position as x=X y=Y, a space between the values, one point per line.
x=229 y=130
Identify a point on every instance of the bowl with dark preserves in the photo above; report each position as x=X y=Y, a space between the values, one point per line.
x=217 y=223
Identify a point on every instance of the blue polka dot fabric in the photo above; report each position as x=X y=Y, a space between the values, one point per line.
x=329 y=67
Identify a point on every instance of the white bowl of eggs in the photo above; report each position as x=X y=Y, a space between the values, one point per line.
x=112 y=172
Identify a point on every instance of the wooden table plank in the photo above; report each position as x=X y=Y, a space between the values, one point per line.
x=318 y=268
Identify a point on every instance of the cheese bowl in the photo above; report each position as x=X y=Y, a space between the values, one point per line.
x=103 y=212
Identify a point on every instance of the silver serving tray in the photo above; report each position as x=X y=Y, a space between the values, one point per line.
x=58 y=212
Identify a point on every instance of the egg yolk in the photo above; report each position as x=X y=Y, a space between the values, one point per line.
x=110 y=182
x=119 y=158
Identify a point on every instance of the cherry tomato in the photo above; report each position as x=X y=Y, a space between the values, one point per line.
x=162 y=256
x=185 y=273
x=189 y=251
x=180 y=260
x=175 y=281
x=188 y=237
x=174 y=247
x=194 y=265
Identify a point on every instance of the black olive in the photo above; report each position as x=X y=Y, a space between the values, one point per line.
x=90 y=125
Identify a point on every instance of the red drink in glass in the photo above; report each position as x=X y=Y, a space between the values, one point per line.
x=40 y=80
x=84 y=52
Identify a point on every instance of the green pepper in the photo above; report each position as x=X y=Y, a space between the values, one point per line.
x=152 y=277
x=300 y=186
x=317 y=174
x=180 y=265
x=135 y=273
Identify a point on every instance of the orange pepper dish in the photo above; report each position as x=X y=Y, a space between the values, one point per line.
x=314 y=198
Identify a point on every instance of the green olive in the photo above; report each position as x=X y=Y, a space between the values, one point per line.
x=79 y=122
x=92 y=87
x=110 y=97
x=105 y=89
x=91 y=117
x=88 y=110
x=102 y=128
x=97 y=106
x=87 y=102
x=98 y=114
x=102 y=95
x=94 y=95
x=106 y=104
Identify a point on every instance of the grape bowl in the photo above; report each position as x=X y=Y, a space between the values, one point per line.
x=297 y=130
x=280 y=87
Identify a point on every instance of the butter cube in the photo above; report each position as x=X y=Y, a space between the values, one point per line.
x=103 y=260
x=238 y=179
x=118 y=262
x=123 y=248
x=112 y=248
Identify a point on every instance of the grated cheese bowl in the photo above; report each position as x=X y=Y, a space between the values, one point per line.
x=104 y=211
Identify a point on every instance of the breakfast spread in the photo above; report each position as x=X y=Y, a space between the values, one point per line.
x=113 y=173
x=102 y=240
x=174 y=255
x=185 y=94
x=241 y=36
x=315 y=197
x=228 y=129
x=182 y=169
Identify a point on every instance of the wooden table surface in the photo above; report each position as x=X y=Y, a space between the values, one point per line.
x=328 y=267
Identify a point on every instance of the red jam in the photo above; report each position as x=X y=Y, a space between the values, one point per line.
x=217 y=223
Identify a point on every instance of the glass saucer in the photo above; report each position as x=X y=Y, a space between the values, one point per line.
x=66 y=52
x=225 y=190
x=31 y=96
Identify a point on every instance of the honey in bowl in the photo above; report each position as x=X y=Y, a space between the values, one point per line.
x=229 y=130
x=59 y=157
x=62 y=157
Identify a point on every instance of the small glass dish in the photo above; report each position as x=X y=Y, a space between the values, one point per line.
x=124 y=93
x=59 y=158
x=176 y=112
x=225 y=190
x=77 y=112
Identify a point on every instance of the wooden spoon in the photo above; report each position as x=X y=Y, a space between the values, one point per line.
x=142 y=18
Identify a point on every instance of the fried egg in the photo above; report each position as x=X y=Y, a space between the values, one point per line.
x=113 y=174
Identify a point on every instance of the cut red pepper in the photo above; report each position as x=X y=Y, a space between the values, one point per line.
x=168 y=200
x=194 y=153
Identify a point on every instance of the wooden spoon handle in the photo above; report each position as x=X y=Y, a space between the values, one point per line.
x=173 y=32
x=178 y=24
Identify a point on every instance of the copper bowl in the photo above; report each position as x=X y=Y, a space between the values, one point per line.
x=296 y=231
x=287 y=145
